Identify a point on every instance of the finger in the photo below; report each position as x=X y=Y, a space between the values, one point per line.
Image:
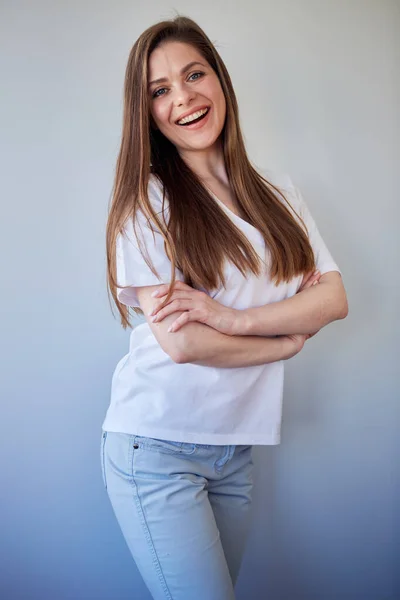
x=171 y=307
x=186 y=317
x=307 y=277
x=176 y=295
x=163 y=289
x=314 y=278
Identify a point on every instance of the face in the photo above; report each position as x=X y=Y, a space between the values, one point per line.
x=186 y=99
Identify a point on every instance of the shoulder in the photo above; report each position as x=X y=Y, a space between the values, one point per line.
x=283 y=181
x=278 y=178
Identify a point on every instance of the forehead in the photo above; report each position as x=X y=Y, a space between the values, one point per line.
x=169 y=58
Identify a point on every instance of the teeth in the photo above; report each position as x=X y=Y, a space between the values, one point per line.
x=193 y=116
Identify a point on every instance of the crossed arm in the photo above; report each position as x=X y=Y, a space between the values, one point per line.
x=233 y=338
x=306 y=312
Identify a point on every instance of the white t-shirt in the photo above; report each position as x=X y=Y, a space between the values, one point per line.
x=153 y=396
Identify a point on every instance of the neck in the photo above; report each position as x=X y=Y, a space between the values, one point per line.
x=208 y=164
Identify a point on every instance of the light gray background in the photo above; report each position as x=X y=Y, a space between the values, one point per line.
x=319 y=93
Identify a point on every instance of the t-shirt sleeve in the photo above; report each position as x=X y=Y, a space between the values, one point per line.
x=323 y=258
x=132 y=269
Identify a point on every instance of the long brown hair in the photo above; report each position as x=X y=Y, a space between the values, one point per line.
x=199 y=236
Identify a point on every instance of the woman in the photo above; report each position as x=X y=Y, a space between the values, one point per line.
x=223 y=263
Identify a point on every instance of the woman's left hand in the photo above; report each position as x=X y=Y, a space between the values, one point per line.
x=198 y=306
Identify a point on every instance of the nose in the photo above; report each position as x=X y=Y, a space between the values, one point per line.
x=184 y=94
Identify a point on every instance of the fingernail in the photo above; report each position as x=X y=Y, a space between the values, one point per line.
x=169 y=330
x=154 y=294
x=154 y=319
x=315 y=282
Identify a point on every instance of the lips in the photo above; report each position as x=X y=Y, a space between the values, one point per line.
x=193 y=112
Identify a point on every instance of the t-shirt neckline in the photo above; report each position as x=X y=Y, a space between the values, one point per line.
x=243 y=223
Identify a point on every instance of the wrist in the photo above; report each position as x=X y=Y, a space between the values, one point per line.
x=257 y=321
x=243 y=323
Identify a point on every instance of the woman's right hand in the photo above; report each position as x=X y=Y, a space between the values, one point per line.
x=309 y=280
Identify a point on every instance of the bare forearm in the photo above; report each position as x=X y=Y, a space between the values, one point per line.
x=207 y=347
x=306 y=312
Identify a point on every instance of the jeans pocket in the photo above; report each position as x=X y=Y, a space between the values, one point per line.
x=166 y=446
x=102 y=457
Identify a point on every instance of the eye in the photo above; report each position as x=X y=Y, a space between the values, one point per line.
x=196 y=75
x=157 y=93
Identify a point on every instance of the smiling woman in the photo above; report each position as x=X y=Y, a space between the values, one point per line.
x=176 y=65
x=233 y=276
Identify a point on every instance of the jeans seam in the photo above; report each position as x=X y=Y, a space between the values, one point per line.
x=146 y=529
x=164 y=450
x=224 y=459
x=151 y=445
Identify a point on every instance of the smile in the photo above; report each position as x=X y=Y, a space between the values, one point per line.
x=194 y=117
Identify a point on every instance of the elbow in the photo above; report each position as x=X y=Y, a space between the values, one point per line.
x=338 y=306
x=178 y=351
x=344 y=309
x=178 y=357
x=189 y=344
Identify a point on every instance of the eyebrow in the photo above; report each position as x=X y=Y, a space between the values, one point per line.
x=183 y=70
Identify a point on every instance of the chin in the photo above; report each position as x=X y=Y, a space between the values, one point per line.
x=201 y=144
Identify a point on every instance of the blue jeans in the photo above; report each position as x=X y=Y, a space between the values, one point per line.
x=184 y=510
